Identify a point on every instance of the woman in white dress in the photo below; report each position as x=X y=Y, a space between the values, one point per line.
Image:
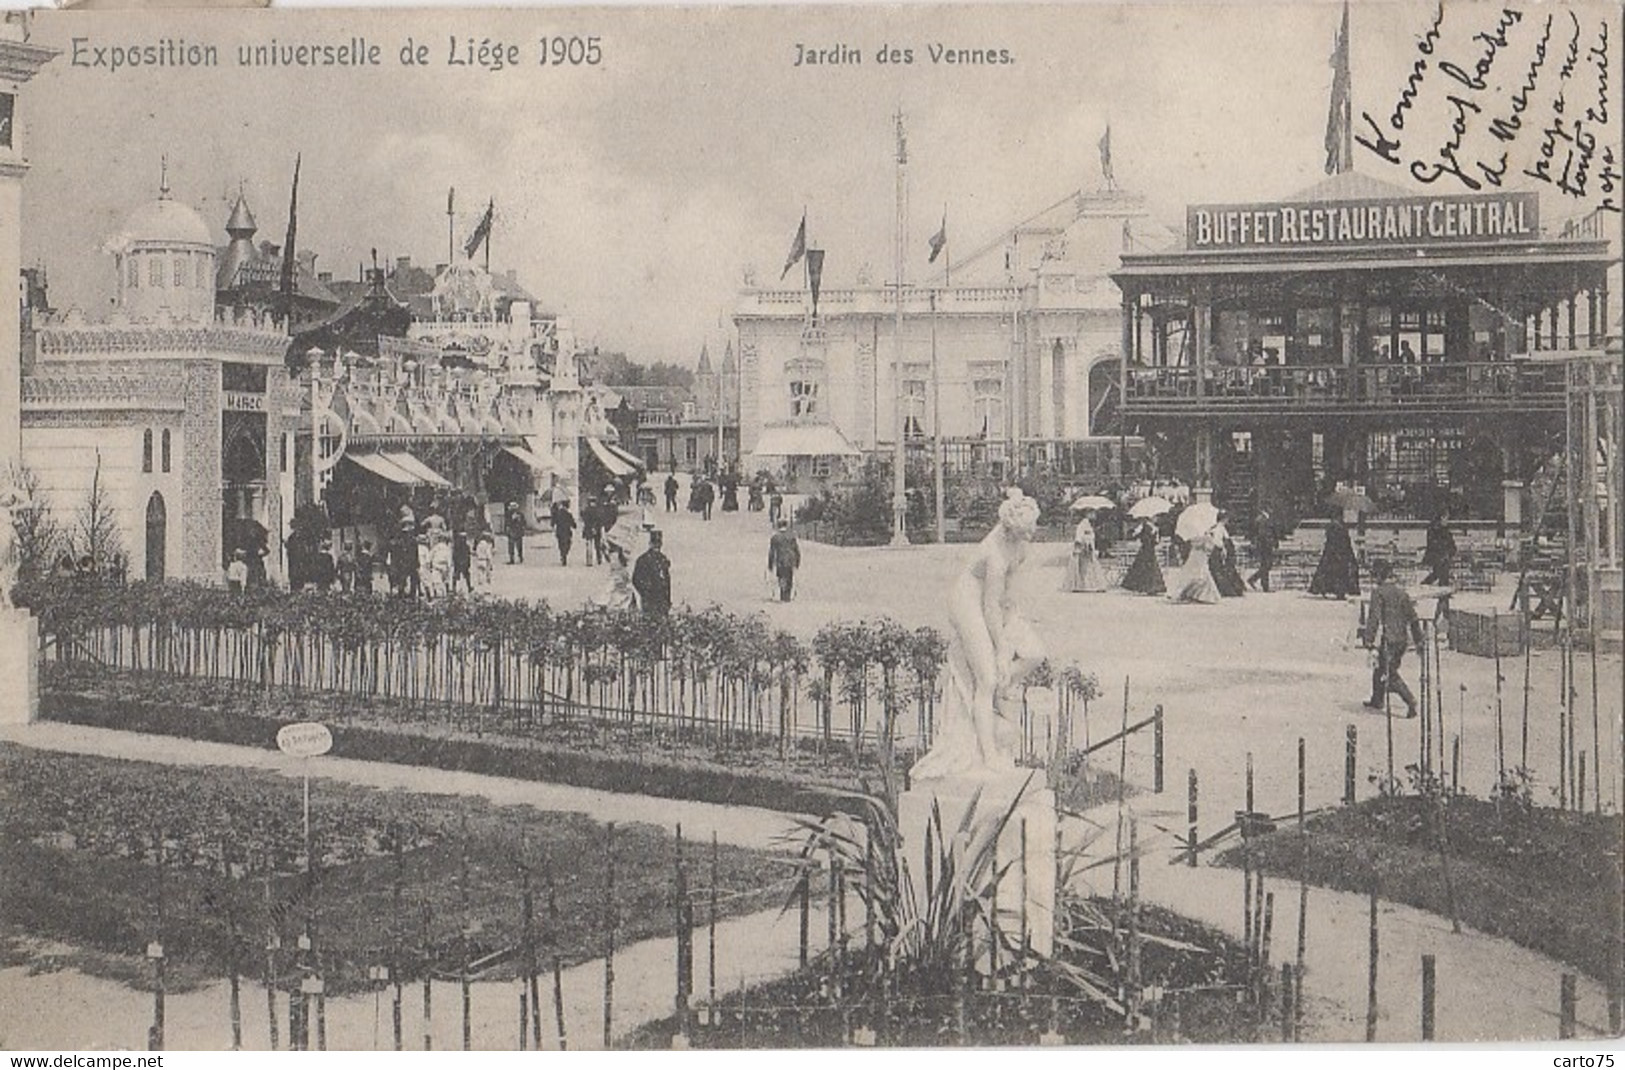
x=1193 y=581
x=1083 y=568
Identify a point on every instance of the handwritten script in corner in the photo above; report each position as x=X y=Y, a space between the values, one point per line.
x=1502 y=95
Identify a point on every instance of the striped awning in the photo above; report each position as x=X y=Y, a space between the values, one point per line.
x=534 y=461
x=616 y=465
x=418 y=468
x=377 y=465
x=626 y=455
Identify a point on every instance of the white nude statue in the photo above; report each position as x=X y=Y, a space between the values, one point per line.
x=992 y=651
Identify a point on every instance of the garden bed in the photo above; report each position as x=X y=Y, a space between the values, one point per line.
x=809 y=777
x=1542 y=878
x=1200 y=995
x=398 y=875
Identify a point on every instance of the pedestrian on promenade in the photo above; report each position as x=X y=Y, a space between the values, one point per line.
x=1390 y=620
x=363 y=569
x=462 y=561
x=1226 y=577
x=651 y=578
x=1193 y=581
x=1144 y=576
x=484 y=551
x=783 y=558
x=671 y=492
x=1338 y=573
x=237 y=572
x=1265 y=540
x=1440 y=553
x=514 y=523
x=564 y=529
x=1083 y=570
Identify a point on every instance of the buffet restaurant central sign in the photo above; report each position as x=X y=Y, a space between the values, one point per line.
x=1379 y=221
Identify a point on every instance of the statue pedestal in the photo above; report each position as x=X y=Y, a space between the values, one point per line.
x=992 y=796
x=19 y=667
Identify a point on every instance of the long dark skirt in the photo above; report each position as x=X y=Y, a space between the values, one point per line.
x=1144 y=576
x=1225 y=575
x=1338 y=573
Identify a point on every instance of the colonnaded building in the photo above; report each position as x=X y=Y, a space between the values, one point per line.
x=1025 y=335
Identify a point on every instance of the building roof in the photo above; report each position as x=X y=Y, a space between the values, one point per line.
x=1349 y=186
x=653 y=398
x=165 y=222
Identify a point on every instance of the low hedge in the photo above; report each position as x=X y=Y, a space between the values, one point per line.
x=515 y=759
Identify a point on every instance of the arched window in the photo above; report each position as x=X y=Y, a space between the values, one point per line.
x=133 y=273
x=157 y=535
x=164 y=449
x=146 y=450
x=180 y=271
x=155 y=271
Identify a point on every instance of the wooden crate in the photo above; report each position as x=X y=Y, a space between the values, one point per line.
x=1476 y=633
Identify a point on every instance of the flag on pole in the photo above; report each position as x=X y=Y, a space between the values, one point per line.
x=289 y=251
x=815 y=275
x=1340 y=116
x=939 y=240
x=1106 y=158
x=798 y=248
x=482 y=232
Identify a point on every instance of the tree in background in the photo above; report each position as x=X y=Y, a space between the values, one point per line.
x=96 y=531
x=39 y=538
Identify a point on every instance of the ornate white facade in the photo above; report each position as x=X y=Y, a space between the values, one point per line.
x=174 y=412
x=1024 y=345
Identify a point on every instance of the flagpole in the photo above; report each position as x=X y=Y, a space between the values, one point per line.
x=451 y=229
x=900 y=459
x=491 y=211
x=936 y=423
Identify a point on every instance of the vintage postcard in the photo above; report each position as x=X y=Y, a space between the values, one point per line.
x=811 y=527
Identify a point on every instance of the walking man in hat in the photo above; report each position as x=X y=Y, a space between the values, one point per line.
x=1390 y=621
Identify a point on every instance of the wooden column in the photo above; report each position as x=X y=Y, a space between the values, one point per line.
x=1572 y=320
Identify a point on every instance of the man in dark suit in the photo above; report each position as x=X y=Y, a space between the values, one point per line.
x=1390 y=620
x=1265 y=540
x=651 y=578
x=783 y=558
x=671 y=492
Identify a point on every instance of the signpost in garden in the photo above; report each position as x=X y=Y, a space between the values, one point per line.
x=307 y=740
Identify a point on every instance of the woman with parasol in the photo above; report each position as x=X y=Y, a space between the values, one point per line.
x=1223 y=561
x=1144 y=576
x=1083 y=570
x=1193 y=580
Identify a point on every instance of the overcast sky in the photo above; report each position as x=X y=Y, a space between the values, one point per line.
x=630 y=196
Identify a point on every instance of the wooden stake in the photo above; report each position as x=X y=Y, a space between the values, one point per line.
x=609 y=934
x=1288 y=1019
x=1567 y=1007
x=1156 y=749
x=558 y=968
x=711 y=934
x=1190 y=859
x=428 y=981
x=1580 y=794
x=1371 y=974
x=1350 y=754
x=805 y=891
x=1428 y=982
x=1303 y=783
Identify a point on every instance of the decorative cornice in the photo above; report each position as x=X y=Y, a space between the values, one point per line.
x=115 y=389
x=91 y=340
x=20 y=61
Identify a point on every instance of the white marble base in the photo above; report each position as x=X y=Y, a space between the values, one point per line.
x=992 y=797
x=19 y=667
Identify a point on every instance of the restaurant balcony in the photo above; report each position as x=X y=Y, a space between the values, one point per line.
x=1517 y=385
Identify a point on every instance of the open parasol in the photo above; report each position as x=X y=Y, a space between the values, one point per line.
x=1093 y=501
x=1347 y=498
x=1197 y=520
x=1146 y=508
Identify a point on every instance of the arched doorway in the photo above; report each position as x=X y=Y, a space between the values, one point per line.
x=157 y=533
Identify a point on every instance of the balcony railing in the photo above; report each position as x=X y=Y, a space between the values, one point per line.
x=1499 y=384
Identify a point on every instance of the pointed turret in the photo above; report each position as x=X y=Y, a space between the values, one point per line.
x=239 y=253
